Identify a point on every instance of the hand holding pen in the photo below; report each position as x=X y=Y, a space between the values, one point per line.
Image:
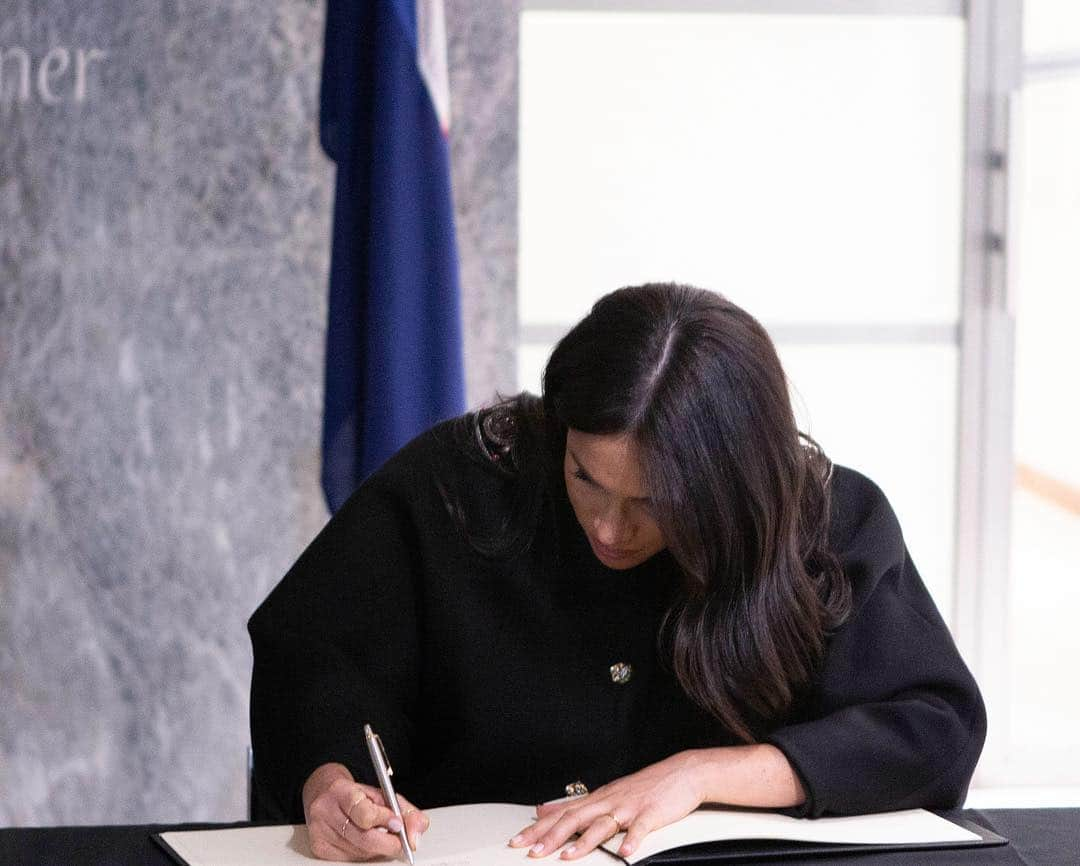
x=384 y=771
x=348 y=821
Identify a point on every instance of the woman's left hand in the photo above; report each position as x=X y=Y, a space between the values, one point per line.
x=639 y=803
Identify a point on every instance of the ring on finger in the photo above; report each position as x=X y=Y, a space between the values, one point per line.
x=348 y=815
x=360 y=799
x=618 y=823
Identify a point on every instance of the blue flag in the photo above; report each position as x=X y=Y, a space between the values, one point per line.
x=393 y=345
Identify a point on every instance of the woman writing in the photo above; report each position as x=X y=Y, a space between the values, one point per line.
x=645 y=586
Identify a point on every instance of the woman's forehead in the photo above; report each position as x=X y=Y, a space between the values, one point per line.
x=610 y=460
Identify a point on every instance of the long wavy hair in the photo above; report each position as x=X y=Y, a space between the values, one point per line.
x=741 y=497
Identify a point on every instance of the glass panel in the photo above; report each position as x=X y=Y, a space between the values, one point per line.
x=889 y=412
x=532 y=358
x=807 y=166
x=1051 y=26
x=1048 y=303
x=1044 y=597
x=1044 y=607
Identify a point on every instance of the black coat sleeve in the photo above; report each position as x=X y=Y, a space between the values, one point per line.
x=335 y=647
x=895 y=720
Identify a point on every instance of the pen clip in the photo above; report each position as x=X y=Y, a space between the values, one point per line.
x=383 y=755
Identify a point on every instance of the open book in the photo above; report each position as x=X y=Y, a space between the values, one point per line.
x=477 y=834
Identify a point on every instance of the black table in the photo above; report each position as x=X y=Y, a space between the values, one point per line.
x=1039 y=837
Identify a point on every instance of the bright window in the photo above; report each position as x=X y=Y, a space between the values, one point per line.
x=807 y=166
x=1044 y=585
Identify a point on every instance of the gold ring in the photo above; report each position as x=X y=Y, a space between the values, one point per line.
x=618 y=823
x=348 y=815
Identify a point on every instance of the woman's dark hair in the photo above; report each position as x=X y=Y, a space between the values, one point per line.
x=741 y=497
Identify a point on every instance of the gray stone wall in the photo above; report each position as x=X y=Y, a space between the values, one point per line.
x=164 y=240
x=483 y=54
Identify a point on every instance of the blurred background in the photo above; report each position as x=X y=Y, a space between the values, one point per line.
x=892 y=187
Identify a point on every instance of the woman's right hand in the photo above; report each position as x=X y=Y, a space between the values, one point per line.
x=350 y=822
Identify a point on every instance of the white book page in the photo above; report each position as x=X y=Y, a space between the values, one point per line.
x=280 y=845
x=470 y=835
x=912 y=826
x=477 y=835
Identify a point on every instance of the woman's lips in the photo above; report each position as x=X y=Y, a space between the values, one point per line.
x=609 y=553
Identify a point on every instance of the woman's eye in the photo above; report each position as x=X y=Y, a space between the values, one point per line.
x=590 y=486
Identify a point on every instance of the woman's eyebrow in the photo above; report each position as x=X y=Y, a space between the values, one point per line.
x=591 y=480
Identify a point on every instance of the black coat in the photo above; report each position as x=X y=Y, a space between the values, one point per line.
x=491 y=681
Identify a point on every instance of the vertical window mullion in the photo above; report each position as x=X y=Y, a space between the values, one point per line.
x=985 y=459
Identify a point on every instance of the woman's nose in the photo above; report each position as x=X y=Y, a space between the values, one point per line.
x=612 y=528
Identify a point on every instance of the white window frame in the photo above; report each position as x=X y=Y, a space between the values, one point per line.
x=987 y=356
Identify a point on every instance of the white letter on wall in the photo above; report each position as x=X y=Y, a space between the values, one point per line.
x=82 y=60
x=24 y=64
x=60 y=59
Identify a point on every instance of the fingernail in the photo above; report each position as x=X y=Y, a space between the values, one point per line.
x=570 y=850
x=627 y=848
x=537 y=848
x=517 y=840
x=395 y=825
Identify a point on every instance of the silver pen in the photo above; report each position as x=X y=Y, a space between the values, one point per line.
x=384 y=771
